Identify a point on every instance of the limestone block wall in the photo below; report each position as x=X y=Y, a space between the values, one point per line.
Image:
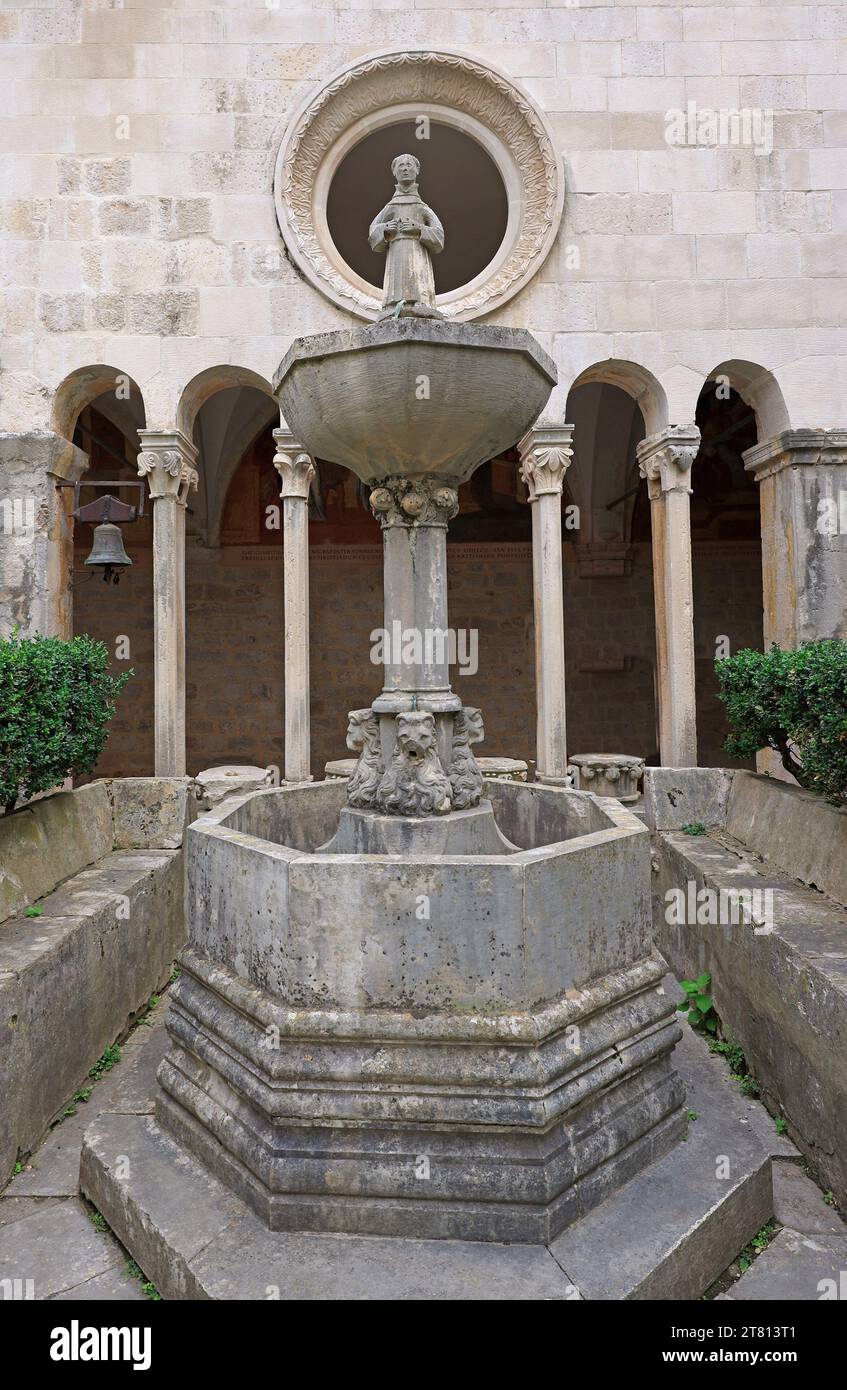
x=139 y=226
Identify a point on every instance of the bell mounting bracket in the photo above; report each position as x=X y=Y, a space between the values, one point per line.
x=107 y=507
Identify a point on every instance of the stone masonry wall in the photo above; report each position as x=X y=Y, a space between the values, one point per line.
x=140 y=230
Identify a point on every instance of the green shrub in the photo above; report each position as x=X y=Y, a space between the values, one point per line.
x=796 y=703
x=56 y=700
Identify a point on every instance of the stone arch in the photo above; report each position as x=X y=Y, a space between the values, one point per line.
x=645 y=389
x=612 y=405
x=85 y=385
x=759 y=388
x=592 y=493
x=223 y=410
x=207 y=383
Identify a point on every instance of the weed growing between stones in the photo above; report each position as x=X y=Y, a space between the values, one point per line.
x=760 y=1242
x=149 y=1290
x=699 y=1003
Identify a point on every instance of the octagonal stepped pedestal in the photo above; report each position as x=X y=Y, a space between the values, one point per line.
x=464 y=1045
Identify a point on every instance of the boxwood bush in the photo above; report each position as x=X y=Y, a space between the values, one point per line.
x=56 y=700
x=796 y=703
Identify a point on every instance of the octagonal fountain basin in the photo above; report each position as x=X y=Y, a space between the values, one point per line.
x=413 y=395
x=468 y=1046
x=564 y=900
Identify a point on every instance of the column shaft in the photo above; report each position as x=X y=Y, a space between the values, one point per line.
x=296 y=471
x=169 y=636
x=167 y=461
x=665 y=461
x=295 y=540
x=545 y=455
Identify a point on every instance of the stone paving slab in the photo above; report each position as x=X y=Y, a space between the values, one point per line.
x=46 y=1233
x=16 y=1208
x=53 y=1171
x=115 y=1286
x=795 y=1268
x=57 y=1247
x=131 y=1088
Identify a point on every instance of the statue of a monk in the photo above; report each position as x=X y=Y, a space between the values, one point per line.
x=410 y=232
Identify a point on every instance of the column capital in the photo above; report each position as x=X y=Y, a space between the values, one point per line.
x=545 y=453
x=795 y=448
x=665 y=459
x=414 y=502
x=294 y=464
x=168 y=460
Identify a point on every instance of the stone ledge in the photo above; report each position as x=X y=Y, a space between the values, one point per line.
x=678 y=796
x=71 y=979
x=151 y=812
x=792 y=829
x=782 y=993
x=49 y=840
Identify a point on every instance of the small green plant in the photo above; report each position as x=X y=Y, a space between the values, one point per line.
x=829 y=1199
x=98 y=1221
x=733 y=1054
x=110 y=1059
x=18 y=1168
x=174 y=975
x=135 y=1272
x=693 y=1115
x=796 y=703
x=760 y=1242
x=34 y=912
x=780 y=1125
x=695 y=827
x=78 y=1098
x=699 y=1003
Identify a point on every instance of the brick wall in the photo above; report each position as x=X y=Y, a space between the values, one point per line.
x=235 y=648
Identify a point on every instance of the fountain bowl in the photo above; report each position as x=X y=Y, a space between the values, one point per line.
x=413 y=396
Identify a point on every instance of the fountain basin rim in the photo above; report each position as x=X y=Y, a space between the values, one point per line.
x=622 y=824
x=388 y=333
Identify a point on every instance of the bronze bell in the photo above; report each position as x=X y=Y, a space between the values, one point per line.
x=108 y=551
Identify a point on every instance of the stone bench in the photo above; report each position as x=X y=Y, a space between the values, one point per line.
x=103 y=866
x=779 y=980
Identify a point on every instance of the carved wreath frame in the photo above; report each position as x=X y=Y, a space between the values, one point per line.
x=458 y=90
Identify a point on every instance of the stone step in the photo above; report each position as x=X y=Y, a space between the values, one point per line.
x=669 y=1233
x=807 y=1260
x=674 y=1228
x=795 y=1267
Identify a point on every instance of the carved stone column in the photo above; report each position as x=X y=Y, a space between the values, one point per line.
x=168 y=461
x=802 y=477
x=545 y=456
x=413 y=514
x=296 y=470
x=665 y=460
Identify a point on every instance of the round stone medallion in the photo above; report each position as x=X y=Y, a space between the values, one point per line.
x=441 y=87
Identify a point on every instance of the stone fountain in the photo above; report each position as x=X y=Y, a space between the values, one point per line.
x=417 y=1003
